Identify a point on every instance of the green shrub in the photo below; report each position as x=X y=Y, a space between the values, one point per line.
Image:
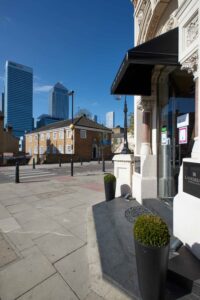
x=151 y=230
x=109 y=178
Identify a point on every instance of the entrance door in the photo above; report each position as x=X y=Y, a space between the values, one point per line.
x=176 y=99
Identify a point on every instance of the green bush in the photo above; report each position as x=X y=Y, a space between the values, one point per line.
x=109 y=178
x=151 y=230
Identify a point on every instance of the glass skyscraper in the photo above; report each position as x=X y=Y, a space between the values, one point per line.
x=18 y=98
x=59 y=102
x=110 y=119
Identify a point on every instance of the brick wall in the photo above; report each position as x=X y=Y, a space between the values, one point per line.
x=8 y=143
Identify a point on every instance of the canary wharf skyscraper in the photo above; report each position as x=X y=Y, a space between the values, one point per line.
x=59 y=102
x=18 y=97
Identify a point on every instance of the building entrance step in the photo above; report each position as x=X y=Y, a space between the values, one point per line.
x=184 y=270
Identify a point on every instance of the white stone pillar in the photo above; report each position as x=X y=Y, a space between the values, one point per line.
x=123 y=171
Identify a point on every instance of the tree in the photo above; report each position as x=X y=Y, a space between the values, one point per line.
x=131 y=122
x=82 y=112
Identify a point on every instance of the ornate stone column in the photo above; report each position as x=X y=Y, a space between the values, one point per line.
x=191 y=66
x=146 y=106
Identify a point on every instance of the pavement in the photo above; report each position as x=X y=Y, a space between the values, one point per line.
x=43 y=238
x=60 y=239
x=45 y=171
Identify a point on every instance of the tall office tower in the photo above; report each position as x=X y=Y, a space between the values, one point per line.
x=110 y=119
x=59 y=102
x=95 y=118
x=2 y=103
x=18 y=97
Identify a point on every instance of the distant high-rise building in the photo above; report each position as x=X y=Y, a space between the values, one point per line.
x=95 y=118
x=18 y=97
x=59 y=102
x=110 y=119
x=2 y=102
x=45 y=119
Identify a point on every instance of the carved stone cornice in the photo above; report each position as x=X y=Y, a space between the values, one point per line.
x=145 y=103
x=192 y=30
x=191 y=64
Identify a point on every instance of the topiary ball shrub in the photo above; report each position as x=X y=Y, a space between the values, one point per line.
x=151 y=230
x=109 y=178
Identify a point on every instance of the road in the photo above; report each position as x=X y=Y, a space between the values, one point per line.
x=48 y=172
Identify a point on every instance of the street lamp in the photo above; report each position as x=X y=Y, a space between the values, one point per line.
x=125 y=149
x=72 y=128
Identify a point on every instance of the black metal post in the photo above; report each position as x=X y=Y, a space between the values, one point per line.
x=103 y=165
x=33 y=163
x=125 y=149
x=72 y=167
x=17 y=173
x=81 y=161
x=59 y=161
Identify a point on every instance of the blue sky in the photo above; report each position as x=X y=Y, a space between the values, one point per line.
x=79 y=43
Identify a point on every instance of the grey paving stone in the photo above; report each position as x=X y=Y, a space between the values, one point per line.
x=56 y=245
x=4 y=212
x=74 y=269
x=19 y=207
x=23 y=275
x=40 y=226
x=80 y=231
x=53 y=210
x=53 y=288
x=70 y=219
x=7 y=254
x=8 y=224
x=28 y=215
x=93 y=296
x=20 y=239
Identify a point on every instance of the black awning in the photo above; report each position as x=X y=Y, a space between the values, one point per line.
x=134 y=75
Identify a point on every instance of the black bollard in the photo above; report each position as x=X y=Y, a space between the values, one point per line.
x=17 y=173
x=59 y=161
x=72 y=167
x=33 y=163
x=103 y=165
x=81 y=161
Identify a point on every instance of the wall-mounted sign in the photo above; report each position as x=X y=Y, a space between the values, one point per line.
x=164 y=138
x=191 y=178
x=183 y=120
x=183 y=135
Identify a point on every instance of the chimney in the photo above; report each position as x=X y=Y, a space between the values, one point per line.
x=9 y=129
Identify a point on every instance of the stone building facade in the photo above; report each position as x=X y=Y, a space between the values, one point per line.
x=162 y=72
x=82 y=140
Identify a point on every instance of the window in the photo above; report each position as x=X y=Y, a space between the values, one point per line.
x=30 y=151
x=41 y=150
x=105 y=136
x=83 y=134
x=54 y=150
x=48 y=149
x=61 y=134
x=36 y=137
x=30 y=138
x=69 y=149
x=60 y=148
x=42 y=136
x=68 y=134
x=48 y=135
x=35 y=150
x=54 y=135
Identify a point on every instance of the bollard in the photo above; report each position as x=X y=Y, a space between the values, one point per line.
x=33 y=163
x=98 y=160
x=17 y=173
x=72 y=167
x=103 y=165
x=59 y=161
x=81 y=161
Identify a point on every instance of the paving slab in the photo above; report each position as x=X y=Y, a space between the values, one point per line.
x=58 y=245
x=4 y=213
x=8 y=224
x=53 y=288
x=7 y=254
x=20 y=239
x=23 y=275
x=19 y=207
x=74 y=269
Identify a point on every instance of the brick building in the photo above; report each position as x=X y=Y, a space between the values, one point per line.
x=8 y=143
x=84 y=139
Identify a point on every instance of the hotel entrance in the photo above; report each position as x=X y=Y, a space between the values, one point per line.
x=176 y=106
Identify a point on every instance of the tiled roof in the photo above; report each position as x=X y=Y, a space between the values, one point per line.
x=80 y=121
